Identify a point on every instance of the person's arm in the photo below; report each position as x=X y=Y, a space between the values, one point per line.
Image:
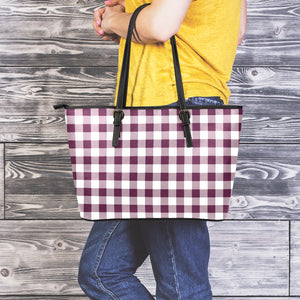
x=243 y=22
x=156 y=22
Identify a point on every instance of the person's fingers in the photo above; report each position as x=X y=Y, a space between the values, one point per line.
x=110 y=37
x=97 y=24
x=117 y=40
x=98 y=29
x=115 y=2
x=98 y=15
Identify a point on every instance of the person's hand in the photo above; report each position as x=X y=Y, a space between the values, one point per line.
x=109 y=17
x=100 y=25
x=99 y=30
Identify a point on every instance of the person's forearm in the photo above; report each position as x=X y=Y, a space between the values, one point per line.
x=243 y=22
x=155 y=23
x=119 y=25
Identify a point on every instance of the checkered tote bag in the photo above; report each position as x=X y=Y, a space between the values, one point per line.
x=153 y=162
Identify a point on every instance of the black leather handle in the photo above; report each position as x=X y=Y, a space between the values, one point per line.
x=123 y=82
x=184 y=114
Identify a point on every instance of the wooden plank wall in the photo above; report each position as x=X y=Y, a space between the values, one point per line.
x=49 y=54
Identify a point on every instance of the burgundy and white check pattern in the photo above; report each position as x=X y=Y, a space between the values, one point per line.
x=152 y=174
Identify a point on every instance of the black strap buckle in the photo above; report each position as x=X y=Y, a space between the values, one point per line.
x=184 y=116
x=118 y=116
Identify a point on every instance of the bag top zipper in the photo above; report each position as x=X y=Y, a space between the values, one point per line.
x=66 y=106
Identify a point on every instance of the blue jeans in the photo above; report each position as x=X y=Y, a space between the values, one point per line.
x=201 y=101
x=179 y=251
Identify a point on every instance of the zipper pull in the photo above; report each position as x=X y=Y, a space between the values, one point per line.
x=58 y=106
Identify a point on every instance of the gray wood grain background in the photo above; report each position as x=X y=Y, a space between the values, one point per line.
x=49 y=54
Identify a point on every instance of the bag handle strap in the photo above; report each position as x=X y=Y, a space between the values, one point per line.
x=123 y=82
x=184 y=114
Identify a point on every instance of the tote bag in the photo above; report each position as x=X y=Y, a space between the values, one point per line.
x=153 y=162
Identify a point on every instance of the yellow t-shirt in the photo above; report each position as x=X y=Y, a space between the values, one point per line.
x=206 y=43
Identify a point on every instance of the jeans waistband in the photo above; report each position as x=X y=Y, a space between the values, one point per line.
x=201 y=101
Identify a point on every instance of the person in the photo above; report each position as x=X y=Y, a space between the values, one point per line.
x=207 y=35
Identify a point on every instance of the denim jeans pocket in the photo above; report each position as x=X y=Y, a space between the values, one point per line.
x=204 y=101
